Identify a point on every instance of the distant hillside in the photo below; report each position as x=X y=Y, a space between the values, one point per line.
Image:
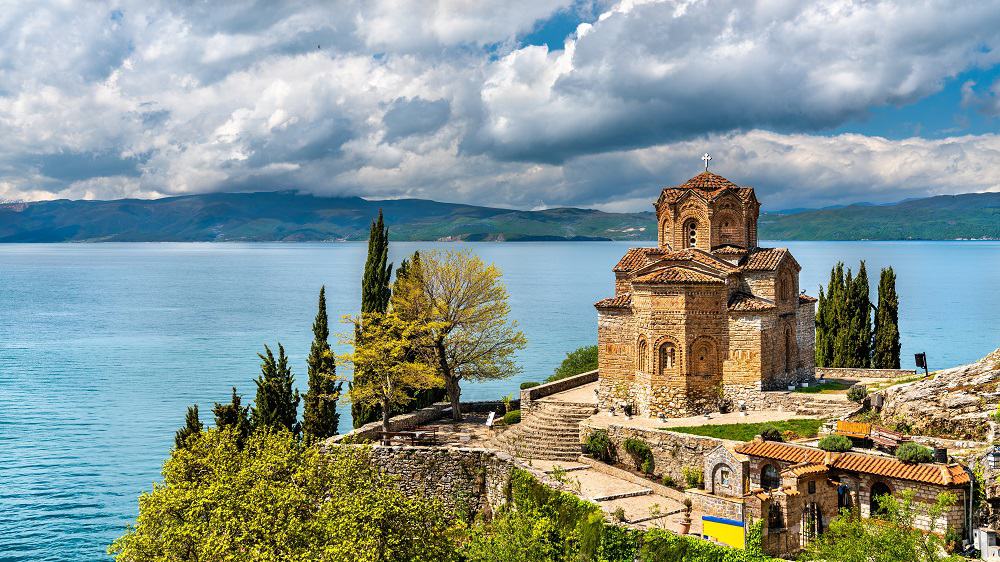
x=945 y=217
x=291 y=216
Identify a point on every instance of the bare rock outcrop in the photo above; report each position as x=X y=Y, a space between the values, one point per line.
x=954 y=403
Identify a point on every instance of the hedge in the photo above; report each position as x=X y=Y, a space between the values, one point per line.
x=512 y=417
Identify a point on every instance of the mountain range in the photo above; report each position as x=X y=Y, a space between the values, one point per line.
x=295 y=216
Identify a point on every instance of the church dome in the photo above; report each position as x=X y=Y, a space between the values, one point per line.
x=707 y=181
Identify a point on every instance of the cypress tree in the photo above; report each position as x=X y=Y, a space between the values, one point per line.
x=320 y=418
x=885 y=348
x=822 y=331
x=192 y=426
x=234 y=416
x=861 y=309
x=375 y=292
x=276 y=404
x=375 y=295
x=844 y=322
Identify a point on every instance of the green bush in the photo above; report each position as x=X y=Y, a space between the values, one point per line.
x=660 y=545
x=857 y=393
x=914 y=453
x=669 y=481
x=512 y=417
x=580 y=361
x=771 y=433
x=599 y=446
x=835 y=443
x=529 y=384
x=641 y=454
x=694 y=477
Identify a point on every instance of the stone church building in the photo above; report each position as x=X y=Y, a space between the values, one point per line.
x=707 y=316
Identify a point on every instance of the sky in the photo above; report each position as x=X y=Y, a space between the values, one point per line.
x=523 y=103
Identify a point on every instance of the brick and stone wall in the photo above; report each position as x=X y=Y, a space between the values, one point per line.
x=716 y=506
x=530 y=395
x=405 y=422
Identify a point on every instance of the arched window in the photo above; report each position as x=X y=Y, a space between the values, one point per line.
x=775 y=519
x=879 y=489
x=668 y=357
x=703 y=358
x=770 y=478
x=691 y=234
x=729 y=230
x=642 y=353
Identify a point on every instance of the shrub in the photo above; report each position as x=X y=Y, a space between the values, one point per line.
x=577 y=362
x=599 y=446
x=512 y=417
x=835 y=443
x=771 y=433
x=529 y=384
x=914 y=453
x=694 y=477
x=857 y=393
x=619 y=514
x=669 y=481
x=641 y=454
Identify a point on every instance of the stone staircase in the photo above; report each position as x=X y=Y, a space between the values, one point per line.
x=551 y=431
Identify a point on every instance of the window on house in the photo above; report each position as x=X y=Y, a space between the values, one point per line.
x=812 y=486
x=770 y=478
x=691 y=231
x=724 y=477
x=667 y=356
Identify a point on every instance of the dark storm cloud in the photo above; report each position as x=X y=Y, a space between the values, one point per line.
x=415 y=117
x=70 y=166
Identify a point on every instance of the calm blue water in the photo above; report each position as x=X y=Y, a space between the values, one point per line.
x=103 y=346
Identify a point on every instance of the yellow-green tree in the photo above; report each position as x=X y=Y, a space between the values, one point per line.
x=464 y=304
x=275 y=498
x=383 y=351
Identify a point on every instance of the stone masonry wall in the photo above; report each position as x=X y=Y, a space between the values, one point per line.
x=466 y=479
x=836 y=373
x=530 y=395
x=671 y=451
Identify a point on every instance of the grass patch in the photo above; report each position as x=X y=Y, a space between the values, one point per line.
x=747 y=431
x=826 y=387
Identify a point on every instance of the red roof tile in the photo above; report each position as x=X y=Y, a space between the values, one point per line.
x=677 y=275
x=764 y=259
x=890 y=467
x=635 y=258
x=745 y=302
x=729 y=250
x=623 y=300
x=806 y=299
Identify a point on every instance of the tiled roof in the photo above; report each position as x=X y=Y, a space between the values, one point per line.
x=764 y=259
x=677 y=275
x=745 y=302
x=623 y=300
x=707 y=181
x=673 y=194
x=635 y=258
x=890 y=467
x=806 y=299
x=729 y=250
x=805 y=469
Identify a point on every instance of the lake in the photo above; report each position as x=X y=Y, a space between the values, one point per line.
x=103 y=346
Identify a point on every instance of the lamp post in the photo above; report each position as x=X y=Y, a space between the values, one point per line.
x=921 y=360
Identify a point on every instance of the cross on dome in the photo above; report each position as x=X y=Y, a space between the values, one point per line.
x=706 y=158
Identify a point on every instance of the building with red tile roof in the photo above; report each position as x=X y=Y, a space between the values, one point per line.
x=704 y=312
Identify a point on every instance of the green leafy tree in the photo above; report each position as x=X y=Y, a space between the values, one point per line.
x=407 y=272
x=375 y=296
x=823 y=358
x=319 y=417
x=579 y=361
x=384 y=347
x=276 y=405
x=278 y=499
x=885 y=348
x=233 y=416
x=192 y=426
x=862 y=318
x=891 y=538
x=465 y=302
x=513 y=535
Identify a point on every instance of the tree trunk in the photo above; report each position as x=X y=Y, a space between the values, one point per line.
x=450 y=382
x=385 y=416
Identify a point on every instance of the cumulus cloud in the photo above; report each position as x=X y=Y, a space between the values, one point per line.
x=442 y=100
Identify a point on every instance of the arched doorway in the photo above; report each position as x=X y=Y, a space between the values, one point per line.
x=879 y=489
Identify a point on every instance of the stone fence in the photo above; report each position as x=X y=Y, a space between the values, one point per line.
x=848 y=373
x=672 y=451
x=469 y=480
x=405 y=422
x=529 y=395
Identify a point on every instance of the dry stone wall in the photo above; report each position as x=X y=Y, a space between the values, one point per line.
x=848 y=373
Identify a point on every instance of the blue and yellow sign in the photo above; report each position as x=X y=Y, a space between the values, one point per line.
x=726 y=531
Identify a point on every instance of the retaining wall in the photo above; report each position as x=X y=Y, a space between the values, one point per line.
x=405 y=422
x=847 y=373
x=529 y=395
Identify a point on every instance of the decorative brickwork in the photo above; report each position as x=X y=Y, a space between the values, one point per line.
x=707 y=319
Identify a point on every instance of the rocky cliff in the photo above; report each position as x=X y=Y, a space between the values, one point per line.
x=954 y=403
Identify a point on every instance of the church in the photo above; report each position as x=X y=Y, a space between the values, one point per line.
x=707 y=319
